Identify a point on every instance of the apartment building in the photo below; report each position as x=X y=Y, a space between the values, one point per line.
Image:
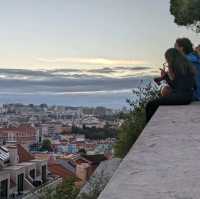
x=20 y=173
x=24 y=134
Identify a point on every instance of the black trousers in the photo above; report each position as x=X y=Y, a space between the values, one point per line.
x=173 y=99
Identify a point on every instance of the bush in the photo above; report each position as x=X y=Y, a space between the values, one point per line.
x=46 y=145
x=135 y=121
x=65 y=190
x=95 y=133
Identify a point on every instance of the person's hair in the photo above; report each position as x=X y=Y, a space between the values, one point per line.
x=186 y=44
x=178 y=63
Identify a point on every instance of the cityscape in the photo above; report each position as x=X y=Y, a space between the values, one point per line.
x=99 y=99
x=43 y=144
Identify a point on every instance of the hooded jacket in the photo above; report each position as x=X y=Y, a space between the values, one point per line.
x=195 y=60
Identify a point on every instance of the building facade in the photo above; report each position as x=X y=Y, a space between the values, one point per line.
x=21 y=135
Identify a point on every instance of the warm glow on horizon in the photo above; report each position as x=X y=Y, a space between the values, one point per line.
x=93 y=61
x=79 y=63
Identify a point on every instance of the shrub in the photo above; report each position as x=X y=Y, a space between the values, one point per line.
x=135 y=121
x=65 y=190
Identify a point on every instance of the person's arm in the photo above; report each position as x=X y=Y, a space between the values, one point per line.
x=162 y=76
x=169 y=81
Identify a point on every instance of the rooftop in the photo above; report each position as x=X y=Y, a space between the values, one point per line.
x=15 y=167
x=59 y=170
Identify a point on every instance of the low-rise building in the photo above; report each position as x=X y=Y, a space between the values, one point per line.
x=24 y=134
x=20 y=173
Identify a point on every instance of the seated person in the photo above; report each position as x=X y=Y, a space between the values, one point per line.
x=181 y=83
x=185 y=46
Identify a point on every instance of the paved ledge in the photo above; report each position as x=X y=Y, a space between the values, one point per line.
x=164 y=163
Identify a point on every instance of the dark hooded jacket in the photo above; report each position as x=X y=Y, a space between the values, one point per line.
x=195 y=60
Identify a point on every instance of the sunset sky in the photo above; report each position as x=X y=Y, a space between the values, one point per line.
x=86 y=34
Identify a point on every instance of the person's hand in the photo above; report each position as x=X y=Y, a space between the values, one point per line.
x=163 y=73
x=158 y=80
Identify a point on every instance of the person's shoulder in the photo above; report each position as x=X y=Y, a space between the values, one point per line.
x=193 y=57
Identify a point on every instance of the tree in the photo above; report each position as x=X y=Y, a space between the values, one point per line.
x=46 y=145
x=186 y=13
x=135 y=121
x=65 y=190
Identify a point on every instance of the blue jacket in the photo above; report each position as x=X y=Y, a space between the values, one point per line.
x=195 y=60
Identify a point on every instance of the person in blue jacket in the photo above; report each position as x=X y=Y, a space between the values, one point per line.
x=185 y=46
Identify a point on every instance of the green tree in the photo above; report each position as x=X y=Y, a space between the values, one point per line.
x=46 y=145
x=66 y=190
x=135 y=121
x=186 y=13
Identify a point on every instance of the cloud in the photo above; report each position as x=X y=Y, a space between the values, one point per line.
x=135 y=68
x=118 y=69
x=73 y=74
x=102 y=70
x=92 y=61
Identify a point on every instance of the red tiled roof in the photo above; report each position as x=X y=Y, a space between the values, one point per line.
x=23 y=154
x=21 y=128
x=59 y=170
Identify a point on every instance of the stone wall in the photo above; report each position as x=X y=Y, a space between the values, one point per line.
x=164 y=163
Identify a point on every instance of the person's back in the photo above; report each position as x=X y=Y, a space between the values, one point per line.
x=180 y=77
x=185 y=46
x=195 y=60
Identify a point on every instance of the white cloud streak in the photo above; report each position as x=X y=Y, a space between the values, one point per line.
x=92 y=61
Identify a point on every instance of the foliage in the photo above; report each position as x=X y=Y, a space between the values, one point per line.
x=186 y=13
x=46 y=145
x=95 y=133
x=66 y=190
x=136 y=119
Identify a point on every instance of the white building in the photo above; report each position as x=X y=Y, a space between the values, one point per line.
x=20 y=173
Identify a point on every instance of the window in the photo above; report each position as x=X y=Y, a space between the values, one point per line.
x=20 y=183
x=32 y=173
x=4 y=189
x=44 y=173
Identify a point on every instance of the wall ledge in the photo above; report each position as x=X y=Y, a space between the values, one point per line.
x=164 y=163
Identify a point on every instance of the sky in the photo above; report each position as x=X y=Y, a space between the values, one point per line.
x=87 y=47
x=90 y=33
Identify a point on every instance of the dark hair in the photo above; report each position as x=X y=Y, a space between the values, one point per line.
x=186 y=44
x=178 y=63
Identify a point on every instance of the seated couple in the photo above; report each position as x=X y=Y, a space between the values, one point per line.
x=182 y=77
